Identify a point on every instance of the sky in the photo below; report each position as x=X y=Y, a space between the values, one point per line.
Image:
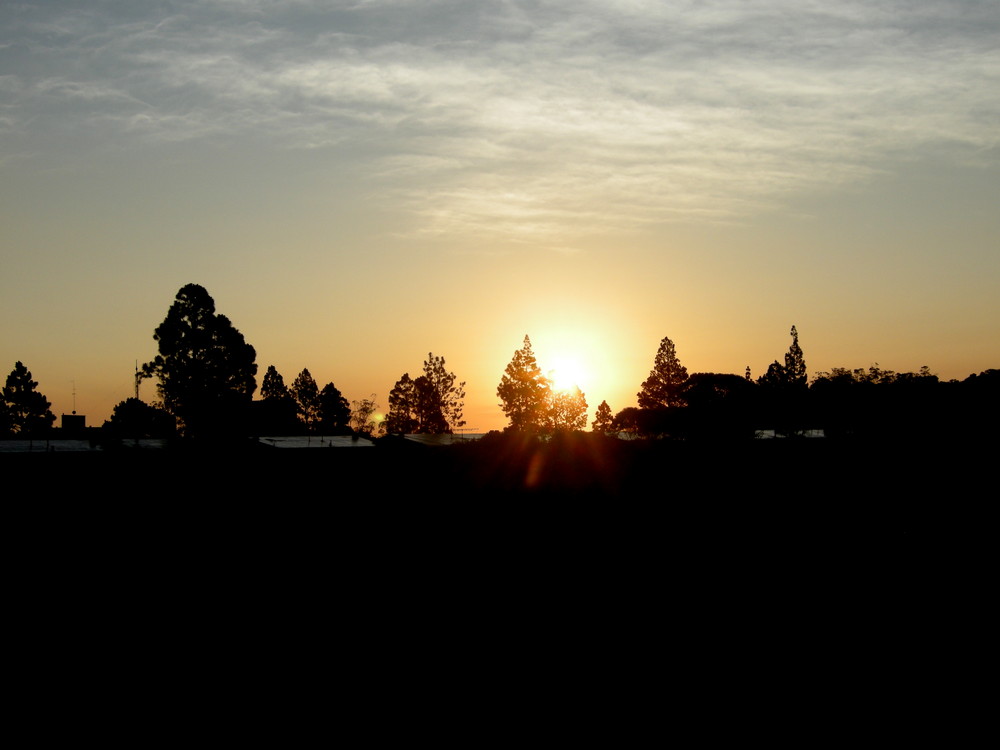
x=358 y=184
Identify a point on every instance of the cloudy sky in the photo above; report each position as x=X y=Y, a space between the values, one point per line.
x=360 y=183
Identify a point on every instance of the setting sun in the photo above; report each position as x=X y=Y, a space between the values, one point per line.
x=566 y=373
x=591 y=349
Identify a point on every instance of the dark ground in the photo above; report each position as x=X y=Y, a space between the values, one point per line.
x=592 y=586
x=577 y=499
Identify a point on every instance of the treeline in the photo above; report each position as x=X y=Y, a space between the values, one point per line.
x=871 y=403
x=206 y=377
x=839 y=403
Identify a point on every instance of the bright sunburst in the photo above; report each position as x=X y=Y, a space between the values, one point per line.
x=566 y=373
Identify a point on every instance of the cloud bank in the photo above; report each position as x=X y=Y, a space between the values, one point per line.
x=523 y=120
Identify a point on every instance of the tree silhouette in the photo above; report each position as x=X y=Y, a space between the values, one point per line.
x=276 y=413
x=135 y=419
x=6 y=419
x=784 y=391
x=446 y=400
x=206 y=370
x=415 y=407
x=306 y=394
x=363 y=416
x=720 y=406
x=602 y=419
x=876 y=402
x=567 y=410
x=665 y=383
x=273 y=385
x=627 y=421
x=795 y=364
x=334 y=411
x=430 y=415
x=524 y=391
x=402 y=418
x=25 y=410
x=431 y=404
x=792 y=374
x=775 y=377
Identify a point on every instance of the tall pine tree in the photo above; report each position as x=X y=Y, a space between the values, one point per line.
x=665 y=383
x=602 y=419
x=524 y=391
x=334 y=411
x=795 y=364
x=306 y=394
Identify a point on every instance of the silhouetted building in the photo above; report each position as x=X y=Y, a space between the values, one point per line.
x=74 y=423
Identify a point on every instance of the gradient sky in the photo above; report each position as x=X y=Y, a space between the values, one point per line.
x=360 y=183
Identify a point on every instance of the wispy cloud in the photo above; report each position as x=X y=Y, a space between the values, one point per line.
x=530 y=120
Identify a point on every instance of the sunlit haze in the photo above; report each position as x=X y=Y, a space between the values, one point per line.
x=357 y=184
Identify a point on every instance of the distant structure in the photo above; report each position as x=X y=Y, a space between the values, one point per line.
x=74 y=423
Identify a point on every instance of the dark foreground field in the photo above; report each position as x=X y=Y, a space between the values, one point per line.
x=580 y=497
x=601 y=585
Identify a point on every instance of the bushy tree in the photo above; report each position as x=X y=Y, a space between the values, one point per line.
x=627 y=421
x=363 y=417
x=524 y=391
x=133 y=418
x=602 y=419
x=712 y=389
x=273 y=385
x=430 y=404
x=446 y=399
x=206 y=370
x=6 y=421
x=720 y=406
x=334 y=411
x=567 y=410
x=25 y=411
x=874 y=375
x=665 y=384
x=775 y=377
x=877 y=401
